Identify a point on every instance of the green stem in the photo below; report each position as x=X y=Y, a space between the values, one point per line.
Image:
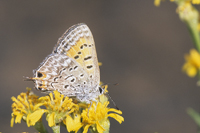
x=40 y=127
x=92 y=130
x=190 y=15
x=195 y=115
x=195 y=35
x=56 y=129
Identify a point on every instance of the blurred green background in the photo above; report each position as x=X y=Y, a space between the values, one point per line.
x=141 y=46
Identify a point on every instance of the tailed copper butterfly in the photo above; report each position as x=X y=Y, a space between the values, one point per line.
x=72 y=68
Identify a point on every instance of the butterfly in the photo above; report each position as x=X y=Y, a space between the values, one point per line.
x=72 y=67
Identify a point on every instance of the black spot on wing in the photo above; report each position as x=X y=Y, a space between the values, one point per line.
x=81 y=75
x=70 y=69
x=75 y=67
x=72 y=80
x=63 y=42
x=87 y=58
x=90 y=66
x=76 y=57
x=66 y=86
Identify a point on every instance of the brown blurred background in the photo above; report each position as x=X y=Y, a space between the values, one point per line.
x=141 y=47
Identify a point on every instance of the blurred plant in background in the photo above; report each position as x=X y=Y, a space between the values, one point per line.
x=190 y=16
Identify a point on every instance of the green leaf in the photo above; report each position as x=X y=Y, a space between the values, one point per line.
x=195 y=115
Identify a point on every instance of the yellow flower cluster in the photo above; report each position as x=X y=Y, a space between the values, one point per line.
x=192 y=64
x=57 y=107
x=195 y=1
x=95 y=116
x=60 y=109
x=25 y=107
x=190 y=15
x=157 y=2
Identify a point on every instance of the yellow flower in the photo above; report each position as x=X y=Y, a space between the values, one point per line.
x=26 y=107
x=157 y=2
x=94 y=117
x=61 y=109
x=105 y=87
x=192 y=64
x=73 y=124
x=103 y=98
x=198 y=27
x=195 y=1
x=97 y=117
x=57 y=107
x=100 y=63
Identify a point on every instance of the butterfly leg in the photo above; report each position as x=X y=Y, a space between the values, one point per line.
x=91 y=106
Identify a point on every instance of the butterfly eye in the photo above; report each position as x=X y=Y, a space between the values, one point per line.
x=39 y=75
x=100 y=90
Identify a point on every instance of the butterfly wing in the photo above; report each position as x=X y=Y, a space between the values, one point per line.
x=72 y=68
x=59 y=72
x=78 y=43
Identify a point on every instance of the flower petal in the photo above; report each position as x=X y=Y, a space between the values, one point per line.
x=51 y=120
x=86 y=128
x=37 y=106
x=116 y=117
x=12 y=121
x=73 y=124
x=35 y=116
x=157 y=2
x=18 y=118
x=100 y=129
x=115 y=110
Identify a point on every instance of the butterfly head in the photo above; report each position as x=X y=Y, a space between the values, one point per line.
x=39 y=80
x=101 y=90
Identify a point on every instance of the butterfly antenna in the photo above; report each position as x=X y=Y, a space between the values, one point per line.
x=105 y=84
x=110 y=83
x=112 y=101
x=27 y=78
x=109 y=95
x=116 y=84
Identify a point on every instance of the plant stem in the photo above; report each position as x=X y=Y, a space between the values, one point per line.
x=195 y=35
x=40 y=127
x=195 y=116
x=56 y=129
